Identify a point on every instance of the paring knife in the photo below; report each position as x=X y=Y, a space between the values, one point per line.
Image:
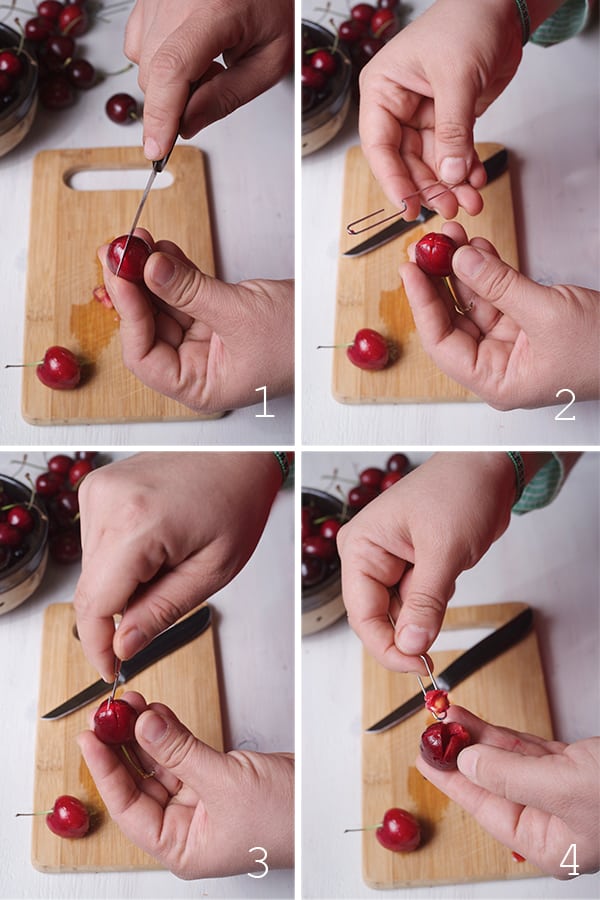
x=467 y=663
x=494 y=167
x=174 y=637
x=157 y=166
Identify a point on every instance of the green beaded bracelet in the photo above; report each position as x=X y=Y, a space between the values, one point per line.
x=282 y=459
x=517 y=461
x=525 y=21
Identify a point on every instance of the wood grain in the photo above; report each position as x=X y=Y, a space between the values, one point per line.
x=67 y=227
x=369 y=293
x=508 y=691
x=186 y=681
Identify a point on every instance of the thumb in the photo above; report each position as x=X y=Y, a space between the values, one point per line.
x=173 y=746
x=185 y=287
x=424 y=592
x=454 y=122
x=494 y=280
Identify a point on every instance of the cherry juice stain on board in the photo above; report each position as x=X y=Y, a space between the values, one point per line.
x=395 y=311
x=428 y=799
x=93 y=324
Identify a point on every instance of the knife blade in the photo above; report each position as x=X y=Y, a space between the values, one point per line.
x=169 y=640
x=494 y=166
x=468 y=662
x=157 y=166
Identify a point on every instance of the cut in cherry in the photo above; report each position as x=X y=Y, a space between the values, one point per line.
x=433 y=254
x=132 y=266
x=442 y=742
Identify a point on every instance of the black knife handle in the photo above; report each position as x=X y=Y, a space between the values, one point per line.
x=486 y=650
x=169 y=640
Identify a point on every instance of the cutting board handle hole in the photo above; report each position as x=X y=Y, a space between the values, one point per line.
x=98 y=179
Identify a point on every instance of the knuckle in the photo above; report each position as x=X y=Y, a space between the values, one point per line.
x=178 y=749
x=164 y=612
x=501 y=281
x=455 y=133
x=166 y=64
x=228 y=101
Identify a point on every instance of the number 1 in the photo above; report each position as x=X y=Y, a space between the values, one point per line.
x=264 y=414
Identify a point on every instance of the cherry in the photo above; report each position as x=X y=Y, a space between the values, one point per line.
x=20 y=517
x=517 y=857
x=81 y=74
x=65 y=547
x=60 y=464
x=9 y=535
x=363 y=12
x=312 y=77
x=114 y=721
x=389 y=479
x=398 y=462
x=79 y=470
x=5 y=85
x=11 y=63
x=59 y=369
x=387 y=4
x=56 y=92
x=38 y=29
x=362 y=494
x=121 y=108
x=437 y=702
x=62 y=46
x=329 y=529
x=68 y=818
x=313 y=570
x=86 y=454
x=48 y=484
x=319 y=546
x=307 y=522
x=398 y=831
x=351 y=31
x=324 y=61
x=442 y=742
x=132 y=268
x=433 y=254
x=66 y=508
x=369 y=350
x=383 y=23
x=50 y=9
x=73 y=20
x=367 y=48
x=371 y=476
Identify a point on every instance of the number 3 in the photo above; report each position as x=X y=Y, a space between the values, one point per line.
x=261 y=861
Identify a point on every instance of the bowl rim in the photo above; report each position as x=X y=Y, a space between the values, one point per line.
x=16 y=111
x=11 y=576
x=330 y=106
x=335 y=576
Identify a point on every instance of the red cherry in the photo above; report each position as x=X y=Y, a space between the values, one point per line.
x=60 y=46
x=313 y=570
x=442 y=742
x=48 y=484
x=81 y=74
x=367 y=48
x=319 y=546
x=399 y=831
x=369 y=350
x=50 y=9
x=371 y=476
x=363 y=12
x=20 y=517
x=132 y=268
x=433 y=254
x=5 y=89
x=307 y=522
x=86 y=454
x=329 y=529
x=73 y=20
x=121 y=108
x=60 y=464
x=65 y=547
x=9 y=535
x=79 y=470
x=66 y=508
x=362 y=494
x=383 y=24
x=56 y=92
x=312 y=77
x=398 y=462
x=114 y=722
x=11 y=63
x=324 y=61
x=351 y=31
x=38 y=29
x=389 y=479
x=387 y=4
x=69 y=818
x=59 y=369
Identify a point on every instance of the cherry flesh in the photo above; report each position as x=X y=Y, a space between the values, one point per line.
x=60 y=369
x=437 y=702
x=442 y=742
x=369 y=350
x=121 y=108
x=114 y=722
x=132 y=267
x=399 y=831
x=433 y=254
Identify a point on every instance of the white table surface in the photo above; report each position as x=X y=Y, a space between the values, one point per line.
x=548 y=119
x=548 y=559
x=250 y=170
x=254 y=635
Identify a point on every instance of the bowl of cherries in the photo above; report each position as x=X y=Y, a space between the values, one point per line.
x=326 y=74
x=322 y=517
x=23 y=543
x=18 y=89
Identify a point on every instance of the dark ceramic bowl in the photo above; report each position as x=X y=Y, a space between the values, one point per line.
x=19 y=579
x=18 y=113
x=322 y=120
x=322 y=603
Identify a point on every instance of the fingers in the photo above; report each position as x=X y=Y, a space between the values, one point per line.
x=424 y=592
x=454 y=122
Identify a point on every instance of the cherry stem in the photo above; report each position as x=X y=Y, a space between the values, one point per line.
x=129 y=754
x=333 y=346
x=44 y=813
x=366 y=828
x=22 y=365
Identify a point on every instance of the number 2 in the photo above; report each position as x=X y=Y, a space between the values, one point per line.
x=564 y=864
x=262 y=863
x=559 y=416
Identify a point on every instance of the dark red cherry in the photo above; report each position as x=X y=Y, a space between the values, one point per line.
x=324 y=61
x=114 y=722
x=313 y=570
x=65 y=546
x=9 y=535
x=313 y=78
x=398 y=462
x=351 y=31
x=433 y=254
x=60 y=463
x=48 y=484
x=319 y=546
x=81 y=74
x=383 y=24
x=369 y=350
x=11 y=63
x=387 y=4
x=363 y=12
x=79 y=470
x=38 y=29
x=50 y=9
x=73 y=20
x=360 y=495
x=68 y=818
x=442 y=742
x=121 y=108
x=62 y=46
x=371 y=476
x=329 y=529
x=132 y=267
x=399 y=831
x=389 y=479
x=60 y=369
x=56 y=92
x=22 y=518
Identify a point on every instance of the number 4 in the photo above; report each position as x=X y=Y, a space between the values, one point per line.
x=565 y=864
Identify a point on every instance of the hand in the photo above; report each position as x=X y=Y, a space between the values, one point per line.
x=535 y=796
x=420 y=534
x=176 y=44
x=520 y=343
x=161 y=532
x=421 y=94
x=202 y=811
x=202 y=342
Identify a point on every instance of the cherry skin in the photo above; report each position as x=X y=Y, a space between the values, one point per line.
x=81 y=74
x=20 y=517
x=371 y=476
x=362 y=494
x=48 y=484
x=442 y=742
x=11 y=64
x=114 y=722
x=313 y=77
x=363 y=12
x=329 y=529
x=79 y=470
x=351 y=31
x=38 y=29
x=433 y=254
x=56 y=91
x=69 y=818
x=324 y=61
x=66 y=508
x=61 y=463
x=9 y=535
x=59 y=45
x=319 y=546
x=59 y=369
x=65 y=547
x=132 y=268
x=383 y=24
x=369 y=350
x=73 y=20
x=398 y=462
x=313 y=571
x=121 y=108
x=389 y=479
x=50 y=9
x=387 y=4
x=399 y=831
x=307 y=522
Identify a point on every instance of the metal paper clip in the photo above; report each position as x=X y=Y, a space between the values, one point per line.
x=434 y=685
x=352 y=230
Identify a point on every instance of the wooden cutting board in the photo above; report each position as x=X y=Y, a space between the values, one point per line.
x=186 y=681
x=370 y=295
x=67 y=227
x=508 y=691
